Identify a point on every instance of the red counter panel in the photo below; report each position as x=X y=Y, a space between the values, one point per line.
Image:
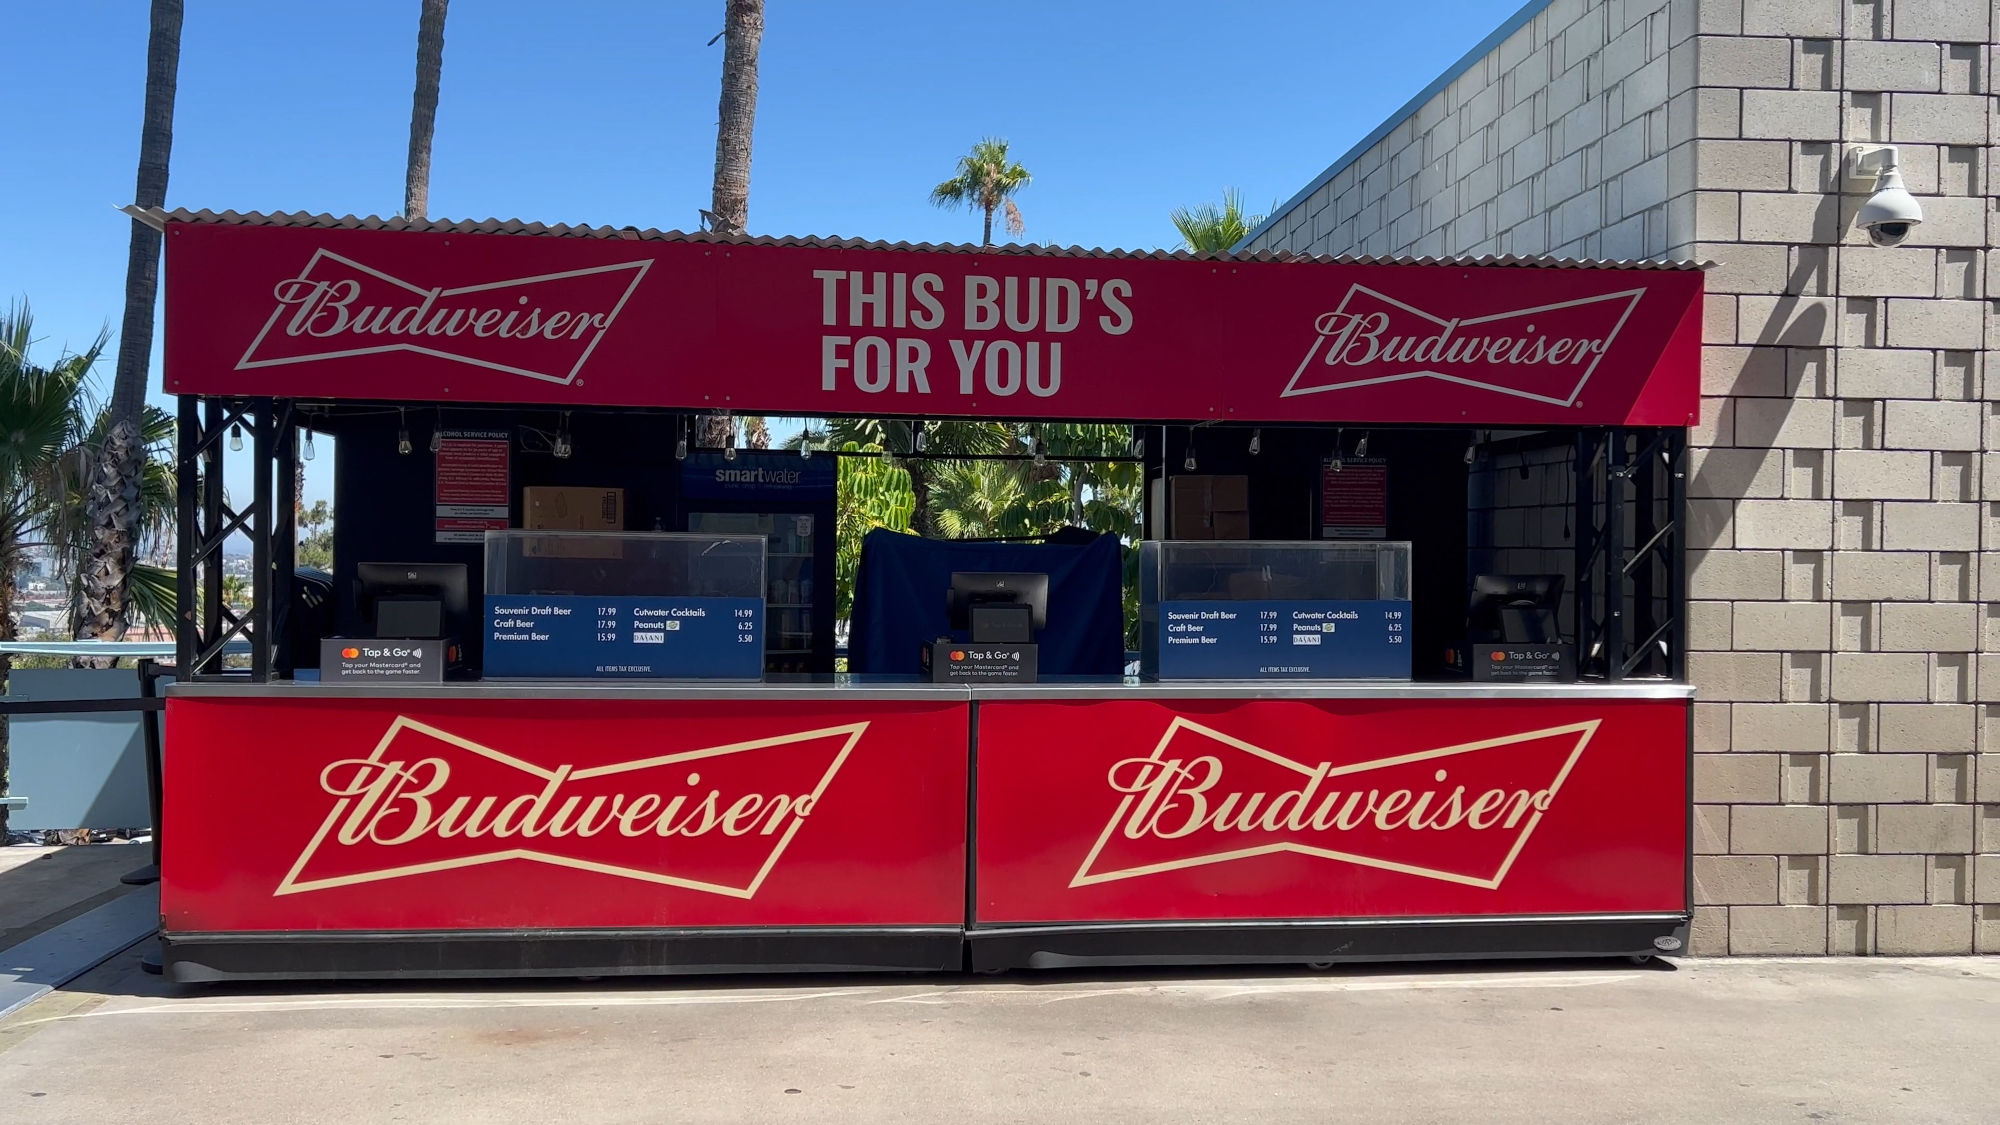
x=304 y=814
x=1139 y=810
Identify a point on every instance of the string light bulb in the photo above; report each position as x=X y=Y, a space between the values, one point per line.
x=917 y=438
x=437 y=438
x=403 y=445
x=729 y=451
x=1187 y=465
x=1138 y=446
x=1361 y=447
x=236 y=438
x=1256 y=442
x=309 y=445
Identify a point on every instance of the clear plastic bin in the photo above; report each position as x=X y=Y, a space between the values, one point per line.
x=624 y=564
x=1307 y=570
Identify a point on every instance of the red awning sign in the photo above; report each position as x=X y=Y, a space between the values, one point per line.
x=321 y=313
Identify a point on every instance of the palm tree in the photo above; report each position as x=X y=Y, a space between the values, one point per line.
x=993 y=499
x=1211 y=228
x=424 y=107
x=39 y=423
x=941 y=440
x=736 y=117
x=113 y=508
x=315 y=527
x=150 y=592
x=986 y=182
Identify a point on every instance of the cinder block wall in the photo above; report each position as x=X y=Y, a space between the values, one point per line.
x=1844 y=641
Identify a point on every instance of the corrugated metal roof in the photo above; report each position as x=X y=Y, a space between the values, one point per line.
x=159 y=218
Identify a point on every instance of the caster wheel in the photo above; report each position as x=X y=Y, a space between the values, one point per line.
x=1640 y=958
x=1320 y=966
x=987 y=972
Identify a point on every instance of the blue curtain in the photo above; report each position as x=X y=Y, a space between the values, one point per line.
x=899 y=601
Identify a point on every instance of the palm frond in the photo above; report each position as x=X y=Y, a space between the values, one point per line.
x=51 y=428
x=1212 y=228
x=151 y=591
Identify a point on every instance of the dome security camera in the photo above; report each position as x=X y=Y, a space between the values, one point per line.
x=1890 y=212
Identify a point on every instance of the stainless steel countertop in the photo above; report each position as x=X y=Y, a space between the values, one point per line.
x=606 y=690
x=914 y=690
x=1351 y=689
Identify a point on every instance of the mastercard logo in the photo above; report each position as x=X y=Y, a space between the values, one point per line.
x=349 y=653
x=1498 y=657
x=957 y=654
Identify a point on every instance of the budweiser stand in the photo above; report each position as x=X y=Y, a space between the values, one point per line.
x=482 y=827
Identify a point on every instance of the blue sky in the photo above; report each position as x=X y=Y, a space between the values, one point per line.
x=603 y=111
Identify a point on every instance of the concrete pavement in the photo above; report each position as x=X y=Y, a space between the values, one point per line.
x=1820 y=1040
x=43 y=887
x=63 y=910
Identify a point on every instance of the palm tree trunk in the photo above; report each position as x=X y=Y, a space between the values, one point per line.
x=986 y=239
x=114 y=488
x=714 y=431
x=920 y=495
x=423 y=111
x=743 y=33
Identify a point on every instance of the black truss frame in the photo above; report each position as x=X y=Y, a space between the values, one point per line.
x=210 y=517
x=1631 y=553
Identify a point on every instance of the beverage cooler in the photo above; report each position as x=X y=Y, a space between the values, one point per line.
x=789 y=500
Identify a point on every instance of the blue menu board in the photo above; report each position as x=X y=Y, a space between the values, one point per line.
x=568 y=636
x=1307 y=640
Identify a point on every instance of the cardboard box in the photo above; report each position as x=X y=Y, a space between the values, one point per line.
x=1230 y=525
x=572 y=509
x=1209 y=507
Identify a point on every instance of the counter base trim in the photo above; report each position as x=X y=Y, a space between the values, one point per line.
x=1110 y=945
x=202 y=958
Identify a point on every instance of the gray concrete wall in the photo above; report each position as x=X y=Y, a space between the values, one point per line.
x=1845 y=639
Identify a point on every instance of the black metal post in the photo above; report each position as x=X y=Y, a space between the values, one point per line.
x=262 y=446
x=284 y=538
x=213 y=536
x=187 y=532
x=1617 y=476
x=1676 y=552
x=1583 y=496
x=149 y=726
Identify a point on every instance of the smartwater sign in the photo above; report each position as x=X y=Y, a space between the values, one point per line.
x=596 y=638
x=757 y=476
x=1221 y=640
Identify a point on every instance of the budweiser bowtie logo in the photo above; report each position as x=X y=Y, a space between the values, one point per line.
x=714 y=819
x=1546 y=353
x=1460 y=814
x=543 y=327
